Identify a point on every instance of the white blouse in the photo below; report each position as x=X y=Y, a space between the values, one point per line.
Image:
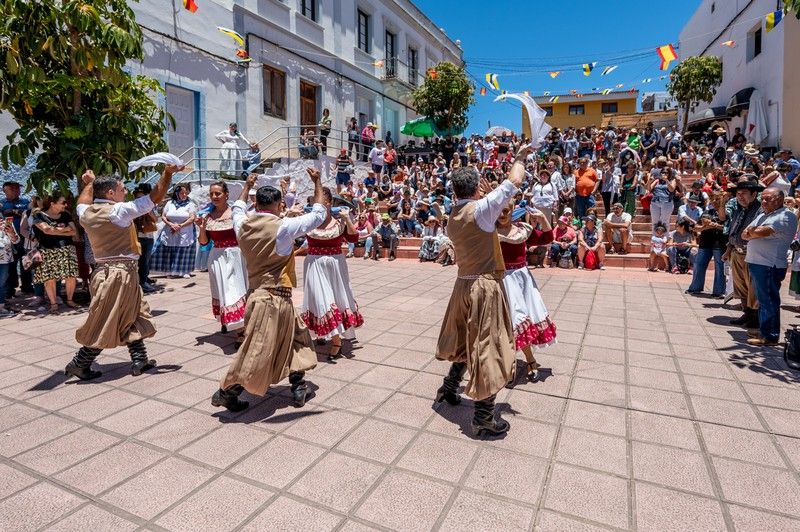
x=178 y=215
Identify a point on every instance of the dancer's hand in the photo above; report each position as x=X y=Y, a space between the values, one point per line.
x=87 y=177
x=201 y=222
x=250 y=182
x=314 y=174
x=171 y=169
x=484 y=186
x=344 y=213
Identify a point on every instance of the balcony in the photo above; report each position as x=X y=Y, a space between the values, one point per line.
x=395 y=76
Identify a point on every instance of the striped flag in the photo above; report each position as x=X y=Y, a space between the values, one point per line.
x=608 y=70
x=191 y=5
x=554 y=99
x=588 y=67
x=606 y=91
x=773 y=19
x=546 y=93
x=667 y=54
x=491 y=79
x=555 y=74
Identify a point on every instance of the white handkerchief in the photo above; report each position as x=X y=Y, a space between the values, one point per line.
x=154 y=159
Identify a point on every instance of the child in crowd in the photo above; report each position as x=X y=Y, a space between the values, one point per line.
x=658 y=250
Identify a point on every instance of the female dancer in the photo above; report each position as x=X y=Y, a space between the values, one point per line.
x=329 y=308
x=226 y=269
x=532 y=324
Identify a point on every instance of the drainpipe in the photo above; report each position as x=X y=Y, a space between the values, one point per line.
x=777 y=105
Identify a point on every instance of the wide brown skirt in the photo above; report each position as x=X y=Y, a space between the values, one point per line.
x=276 y=342
x=477 y=330
x=118 y=314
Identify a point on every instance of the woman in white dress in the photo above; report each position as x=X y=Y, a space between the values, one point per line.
x=174 y=252
x=329 y=308
x=545 y=195
x=226 y=267
x=230 y=153
x=532 y=324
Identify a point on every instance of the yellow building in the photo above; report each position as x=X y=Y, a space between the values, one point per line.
x=582 y=111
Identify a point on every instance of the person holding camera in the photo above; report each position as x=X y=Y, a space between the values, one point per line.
x=8 y=239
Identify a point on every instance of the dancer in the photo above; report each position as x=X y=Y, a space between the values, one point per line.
x=225 y=263
x=117 y=315
x=476 y=332
x=276 y=342
x=532 y=323
x=329 y=308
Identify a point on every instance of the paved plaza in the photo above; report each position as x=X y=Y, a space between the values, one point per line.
x=652 y=416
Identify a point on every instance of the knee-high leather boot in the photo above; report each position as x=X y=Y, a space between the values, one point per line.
x=448 y=391
x=80 y=364
x=484 y=422
x=139 y=361
x=299 y=388
x=230 y=398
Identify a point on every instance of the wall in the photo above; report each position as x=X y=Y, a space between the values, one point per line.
x=593 y=114
x=790 y=125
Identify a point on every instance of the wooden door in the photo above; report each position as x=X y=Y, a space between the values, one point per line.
x=181 y=105
x=308 y=104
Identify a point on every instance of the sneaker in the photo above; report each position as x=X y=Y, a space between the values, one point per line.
x=186 y=276
x=675 y=269
x=7 y=313
x=602 y=266
x=580 y=266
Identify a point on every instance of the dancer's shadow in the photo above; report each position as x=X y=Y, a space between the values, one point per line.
x=118 y=370
x=269 y=410
x=218 y=339
x=462 y=414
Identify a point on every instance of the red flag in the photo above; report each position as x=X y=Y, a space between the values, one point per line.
x=432 y=73
x=242 y=54
x=667 y=54
x=191 y=5
x=483 y=91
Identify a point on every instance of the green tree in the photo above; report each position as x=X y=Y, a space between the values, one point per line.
x=793 y=6
x=63 y=81
x=445 y=96
x=695 y=80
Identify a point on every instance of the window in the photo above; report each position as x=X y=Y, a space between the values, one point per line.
x=363 y=31
x=389 y=54
x=754 y=42
x=274 y=92
x=713 y=6
x=548 y=111
x=610 y=107
x=412 y=66
x=576 y=110
x=309 y=9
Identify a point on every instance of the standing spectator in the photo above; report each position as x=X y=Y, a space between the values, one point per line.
x=769 y=237
x=618 y=229
x=229 y=154
x=376 y=157
x=385 y=235
x=649 y=142
x=633 y=141
x=325 y=129
x=609 y=185
x=661 y=186
x=586 y=185
x=145 y=229
x=55 y=231
x=174 y=252
x=626 y=156
x=740 y=212
x=793 y=175
x=776 y=179
x=711 y=243
x=545 y=195
x=367 y=139
x=344 y=169
x=570 y=146
x=8 y=238
x=628 y=187
x=353 y=137
x=14 y=207
x=390 y=158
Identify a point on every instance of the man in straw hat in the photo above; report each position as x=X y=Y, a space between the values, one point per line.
x=476 y=333
x=276 y=342
x=118 y=315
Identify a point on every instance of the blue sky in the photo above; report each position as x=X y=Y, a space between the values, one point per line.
x=532 y=38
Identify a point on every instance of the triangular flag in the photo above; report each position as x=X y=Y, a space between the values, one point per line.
x=595 y=89
x=588 y=67
x=432 y=73
x=647 y=80
x=232 y=34
x=554 y=74
x=667 y=55
x=191 y=5
x=608 y=70
x=729 y=44
x=491 y=79
x=242 y=54
x=633 y=89
x=773 y=19
x=526 y=93
x=554 y=99
x=620 y=85
x=606 y=91
x=662 y=77
x=483 y=91
x=546 y=93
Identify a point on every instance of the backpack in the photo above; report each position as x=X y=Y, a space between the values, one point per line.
x=682 y=263
x=590 y=261
x=565 y=261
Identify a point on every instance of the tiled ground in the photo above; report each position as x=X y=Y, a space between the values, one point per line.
x=654 y=417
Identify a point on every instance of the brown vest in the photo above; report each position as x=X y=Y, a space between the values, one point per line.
x=258 y=237
x=477 y=252
x=106 y=238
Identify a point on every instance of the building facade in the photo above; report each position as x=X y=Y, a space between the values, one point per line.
x=584 y=110
x=658 y=101
x=757 y=61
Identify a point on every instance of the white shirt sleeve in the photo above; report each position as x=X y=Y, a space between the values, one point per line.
x=488 y=208
x=239 y=215
x=123 y=213
x=80 y=209
x=292 y=228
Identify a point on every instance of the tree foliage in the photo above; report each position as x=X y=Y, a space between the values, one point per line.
x=63 y=81
x=445 y=96
x=695 y=80
x=793 y=6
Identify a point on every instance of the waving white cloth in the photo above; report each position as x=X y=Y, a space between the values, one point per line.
x=536 y=116
x=154 y=159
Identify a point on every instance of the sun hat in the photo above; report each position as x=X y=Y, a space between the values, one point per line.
x=720 y=129
x=386 y=218
x=748 y=184
x=564 y=220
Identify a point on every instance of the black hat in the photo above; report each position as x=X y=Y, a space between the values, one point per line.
x=695 y=198
x=749 y=184
x=11 y=184
x=590 y=218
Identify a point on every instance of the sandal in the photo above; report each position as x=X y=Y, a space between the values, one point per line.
x=53 y=309
x=71 y=304
x=533 y=371
x=335 y=352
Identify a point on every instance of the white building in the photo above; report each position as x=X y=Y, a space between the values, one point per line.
x=658 y=101
x=357 y=58
x=759 y=61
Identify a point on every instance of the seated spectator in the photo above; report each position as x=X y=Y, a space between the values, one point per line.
x=688 y=161
x=540 y=238
x=447 y=252
x=690 y=210
x=618 y=229
x=658 y=250
x=364 y=229
x=565 y=241
x=307 y=146
x=681 y=247
x=590 y=240
x=384 y=235
x=431 y=236
x=251 y=160
x=406 y=219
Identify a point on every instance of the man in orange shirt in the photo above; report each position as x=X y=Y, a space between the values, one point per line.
x=586 y=184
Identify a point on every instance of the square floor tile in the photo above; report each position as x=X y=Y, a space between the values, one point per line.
x=479 y=513
x=784 y=422
x=377 y=440
x=66 y=451
x=226 y=445
x=725 y=412
x=406 y=409
x=595 y=496
x=92 y=518
x=741 y=444
x=433 y=455
x=101 y=406
x=552 y=521
x=672 y=467
x=36 y=506
x=660 y=509
x=521 y=479
x=23 y=437
x=658 y=401
x=289 y=515
x=13 y=480
x=278 y=462
x=760 y=486
x=664 y=429
x=590 y=449
x=323 y=426
x=749 y=519
x=178 y=430
x=337 y=481
x=358 y=398
x=600 y=418
x=138 y=417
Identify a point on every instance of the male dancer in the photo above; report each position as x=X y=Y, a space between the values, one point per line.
x=476 y=331
x=117 y=315
x=276 y=342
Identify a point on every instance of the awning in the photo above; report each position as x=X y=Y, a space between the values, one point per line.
x=739 y=102
x=710 y=114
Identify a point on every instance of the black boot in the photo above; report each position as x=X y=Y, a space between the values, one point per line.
x=79 y=366
x=745 y=318
x=448 y=391
x=299 y=388
x=484 y=423
x=230 y=398
x=139 y=361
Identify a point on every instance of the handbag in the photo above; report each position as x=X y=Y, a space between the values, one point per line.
x=32 y=258
x=791 y=349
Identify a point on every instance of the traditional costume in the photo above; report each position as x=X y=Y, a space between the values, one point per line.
x=476 y=333
x=276 y=342
x=329 y=308
x=118 y=315
x=226 y=271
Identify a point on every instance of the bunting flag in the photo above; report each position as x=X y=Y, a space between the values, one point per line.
x=526 y=93
x=483 y=91
x=555 y=74
x=647 y=80
x=595 y=89
x=633 y=89
x=667 y=55
x=432 y=73
x=379 y=63
x=588 y=67
x=191 y=5
x=606 y=91
x=620 y=85
x=573 y=92
x=773 y=19
x=232 y=34
x=241 y=53
x=608 y=70
x=546 y=93
x=554 y=99
x=729 y=44
x=491 y=79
